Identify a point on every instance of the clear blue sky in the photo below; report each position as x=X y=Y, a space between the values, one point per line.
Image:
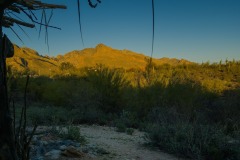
x=197 y=30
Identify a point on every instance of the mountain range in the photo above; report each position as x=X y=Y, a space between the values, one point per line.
x=89 y=57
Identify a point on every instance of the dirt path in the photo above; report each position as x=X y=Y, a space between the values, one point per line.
x=121 y=146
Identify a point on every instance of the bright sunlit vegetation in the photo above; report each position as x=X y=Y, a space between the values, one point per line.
x=189 y=109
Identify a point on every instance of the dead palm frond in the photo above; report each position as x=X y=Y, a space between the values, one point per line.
x=16 y=8
x=28 y=8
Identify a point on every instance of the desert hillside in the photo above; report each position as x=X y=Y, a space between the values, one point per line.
x=89 y=57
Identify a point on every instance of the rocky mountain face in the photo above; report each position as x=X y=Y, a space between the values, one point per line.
x=43 y=65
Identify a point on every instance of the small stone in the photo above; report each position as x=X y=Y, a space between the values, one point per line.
x=77 y=145
x=72 y=152
x=53 y=154
x=63 y=147
x=34 y=139
x=67 y=142
x=45 y=143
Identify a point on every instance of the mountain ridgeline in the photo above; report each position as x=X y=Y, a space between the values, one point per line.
x=26 y=58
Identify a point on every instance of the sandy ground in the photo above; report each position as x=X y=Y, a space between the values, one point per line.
x=121 y=146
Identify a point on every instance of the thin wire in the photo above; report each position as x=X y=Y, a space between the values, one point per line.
x=8 y=13
x=152 y=28
x=79 y=21
x=16 y=35
x=40 y=29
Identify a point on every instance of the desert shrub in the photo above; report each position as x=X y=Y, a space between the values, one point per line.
x=150 y=74
x=130 y=131
x=67 y=92
x=223 y=108
x=109 y=84
x=90 y=115
x=48 y=115
x=139 y=101
x=176 y=133
x=69 y=132
x=54 y=93
x=73 y=133
x=66 y=66
x=120 y=127
x=51 y=115
x=125 y=121
x=184 y=97
x=193 y=141
x=81 y=95
x=129 y=118
x=163 y=115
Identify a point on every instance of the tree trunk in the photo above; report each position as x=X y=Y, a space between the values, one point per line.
x=7 y=146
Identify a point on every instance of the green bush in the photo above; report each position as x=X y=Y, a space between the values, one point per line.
x=73 y=133
x=69 y=132
x=130 y=131
x=109 y=84
x=48 y=115
x=120 y=127
x=193 y=141
x=66 y=66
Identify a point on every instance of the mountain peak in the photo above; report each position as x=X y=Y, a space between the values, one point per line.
x=89 y=57
x=102 y=46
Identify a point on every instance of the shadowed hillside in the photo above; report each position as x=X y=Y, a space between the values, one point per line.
x=26 y=58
